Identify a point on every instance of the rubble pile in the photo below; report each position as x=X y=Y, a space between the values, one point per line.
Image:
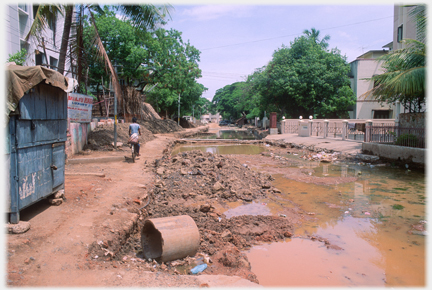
x=193 y=173
x=193 y=183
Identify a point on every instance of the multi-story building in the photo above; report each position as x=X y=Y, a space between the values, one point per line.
x=367 y=65
x=403 y=27
x=45 y=51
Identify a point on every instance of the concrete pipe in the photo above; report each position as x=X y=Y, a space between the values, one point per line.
x=169 y=238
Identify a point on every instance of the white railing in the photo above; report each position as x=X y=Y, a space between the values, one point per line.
x=334 y=128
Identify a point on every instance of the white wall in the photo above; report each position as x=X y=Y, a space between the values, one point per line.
x=17 y=25
x=362 y=69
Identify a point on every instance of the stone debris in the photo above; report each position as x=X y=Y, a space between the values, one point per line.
x=19 y=228
x=217 y=176
x=195 y=183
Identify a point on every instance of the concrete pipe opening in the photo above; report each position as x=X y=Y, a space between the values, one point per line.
x=169 y=238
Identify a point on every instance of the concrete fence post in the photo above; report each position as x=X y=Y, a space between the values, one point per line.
x=344 y=129
x=303 y=130
x=368 y=133
x=310 y=127
x=283 y=128
x=325 y=129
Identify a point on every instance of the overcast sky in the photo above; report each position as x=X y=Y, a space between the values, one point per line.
x=236 y=39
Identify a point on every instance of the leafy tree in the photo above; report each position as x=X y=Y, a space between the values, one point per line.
x=142 y=17
x=230 y=100
x=172 y=64
x=160 y=60
x=306 y=79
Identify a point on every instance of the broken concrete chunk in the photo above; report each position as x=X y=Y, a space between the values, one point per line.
x=368 y=158
x=217 y=186
x=19 y=228
x=55 y=201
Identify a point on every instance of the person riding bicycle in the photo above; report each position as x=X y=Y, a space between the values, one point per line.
x=134 y=128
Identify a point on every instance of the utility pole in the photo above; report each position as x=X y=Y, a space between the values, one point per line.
x=115 y=121
x=193 y=116
x=178 y=122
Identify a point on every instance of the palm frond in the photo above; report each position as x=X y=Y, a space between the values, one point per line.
x=44 y=15
x=145 y=17
x=104 y=55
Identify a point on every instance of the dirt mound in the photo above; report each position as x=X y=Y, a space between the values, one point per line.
x=160 y=126
x=191 y=183
x=187 y=124
x=102 y=137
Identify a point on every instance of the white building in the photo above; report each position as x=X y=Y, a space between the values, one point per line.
x=366 y=66
x=19 y=18
x=209 y=118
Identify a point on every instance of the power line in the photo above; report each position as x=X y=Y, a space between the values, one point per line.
x=289 y=35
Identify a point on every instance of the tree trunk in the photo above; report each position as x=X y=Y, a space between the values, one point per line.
x=65 y=38
x=99 y=101
x=80 y=52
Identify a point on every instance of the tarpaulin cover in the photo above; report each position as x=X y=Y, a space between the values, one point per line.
x=20 y=79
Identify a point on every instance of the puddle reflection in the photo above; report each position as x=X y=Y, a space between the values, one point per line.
x=360 y=217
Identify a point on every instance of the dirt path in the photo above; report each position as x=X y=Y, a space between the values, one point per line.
x=100 y=209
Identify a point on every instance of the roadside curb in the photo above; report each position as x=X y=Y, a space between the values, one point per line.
x=96 y=159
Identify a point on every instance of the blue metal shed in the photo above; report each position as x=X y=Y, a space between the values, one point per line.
x=36 y=135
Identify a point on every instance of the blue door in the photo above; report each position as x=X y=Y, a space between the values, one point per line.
x=37 y=147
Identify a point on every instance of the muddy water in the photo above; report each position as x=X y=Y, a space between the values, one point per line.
x=228 y=134
x=369 y=219
x=368 y=222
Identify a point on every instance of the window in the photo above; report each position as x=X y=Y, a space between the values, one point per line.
x=400 y=33
x=53 y=63
x=40 y=58
x=23 y=7
x=35 y=9
x=381 y=114
x=52 y=25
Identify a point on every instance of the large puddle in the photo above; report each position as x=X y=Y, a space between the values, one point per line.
x=227 y=134
x=369 y=221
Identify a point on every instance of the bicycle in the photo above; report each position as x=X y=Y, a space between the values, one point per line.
x=133 y=150
x=133 y=141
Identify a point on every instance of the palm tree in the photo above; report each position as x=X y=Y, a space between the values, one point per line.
x=45 y=14
x=404 y=77
x=313 y=34
x=65 y=37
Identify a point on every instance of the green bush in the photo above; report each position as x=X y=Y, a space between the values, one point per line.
x=407 y=140
x=19 y=57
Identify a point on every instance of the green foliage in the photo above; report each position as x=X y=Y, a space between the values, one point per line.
x=19 y=57
x=306 y=79
x=407 y=140
x=230 y=100
x=404 y=77
x=146 y=59
x=398 y=206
